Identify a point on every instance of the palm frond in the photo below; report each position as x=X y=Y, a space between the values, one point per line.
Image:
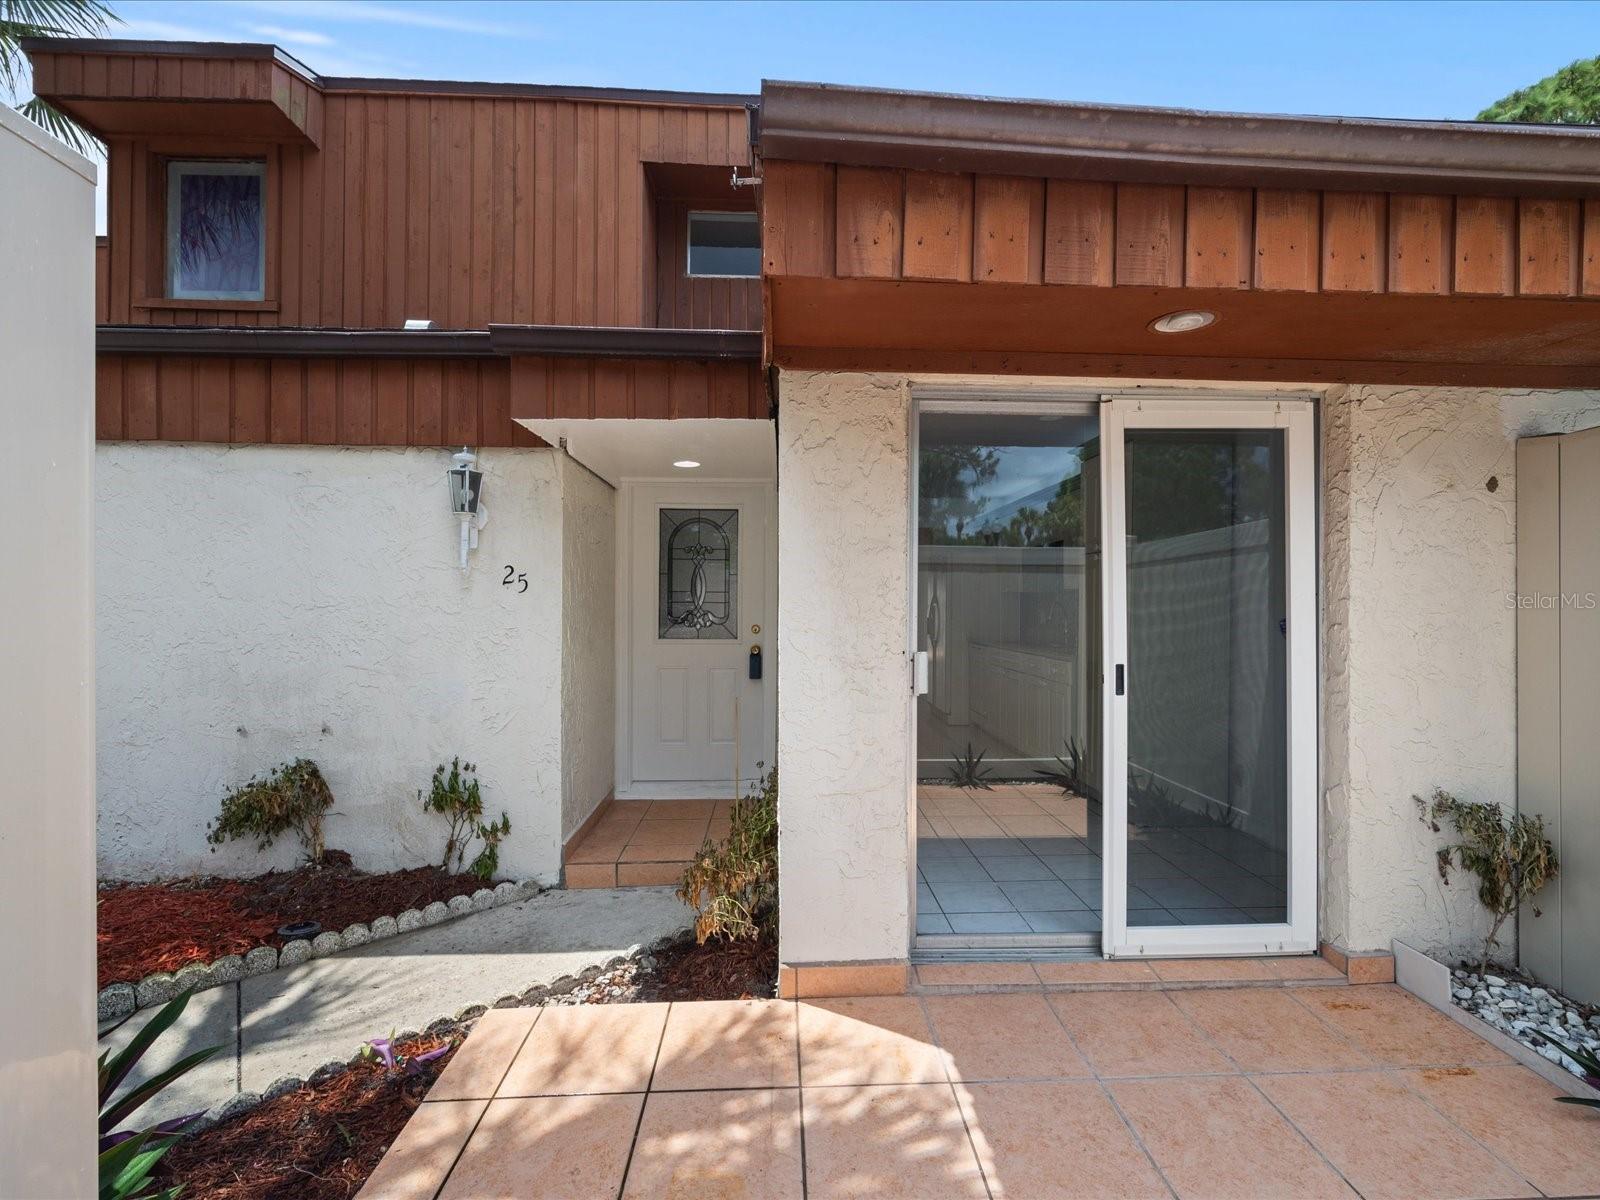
x=52 y=120
x=21 y=19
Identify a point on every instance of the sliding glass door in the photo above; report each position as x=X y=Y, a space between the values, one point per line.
x=1210 y=822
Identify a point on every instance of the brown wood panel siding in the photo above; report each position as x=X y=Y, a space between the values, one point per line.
x=1288 y=240
x=1008 y=230
x=1355 y=241
x=1149 y=235
x=1219 y=236
x=1547 y=247
x=465 y=210
x=401 y=402
x=696 y=302
x=1421 y=244
x=1080 y=233
x=870 y=217
x=938 y=226
x=583 y=388
x=1486 y=246
x=1141 y=235
x=357 y=402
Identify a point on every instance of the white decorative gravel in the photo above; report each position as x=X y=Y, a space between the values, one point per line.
x=1521 y=1009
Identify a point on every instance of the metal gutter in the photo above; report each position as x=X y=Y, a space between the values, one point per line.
x=572 y=341
x=563 y=341
x=939 y=132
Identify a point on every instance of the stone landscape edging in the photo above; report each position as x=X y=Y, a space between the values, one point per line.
x=119 y=1000
x=1428 y=979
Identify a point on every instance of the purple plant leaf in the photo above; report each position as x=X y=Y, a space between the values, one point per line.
x=416 y=1062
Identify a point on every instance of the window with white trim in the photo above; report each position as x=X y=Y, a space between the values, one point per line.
x=216 y=230
x=724 y=244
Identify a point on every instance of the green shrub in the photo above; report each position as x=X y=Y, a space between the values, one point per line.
x=1512 y=859
x=291 y=798
x=733 y=885
x=456 y=796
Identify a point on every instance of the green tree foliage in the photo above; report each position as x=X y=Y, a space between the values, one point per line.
x=1569 y=97
x=47 y=18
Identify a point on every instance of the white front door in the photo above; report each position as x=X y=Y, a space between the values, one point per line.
x=696 y=602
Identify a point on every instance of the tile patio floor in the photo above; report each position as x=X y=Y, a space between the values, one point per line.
x=644 y=843
x=1025 y=859
x=1270 y=1093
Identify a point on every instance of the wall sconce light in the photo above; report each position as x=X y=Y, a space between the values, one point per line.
x=466 y=499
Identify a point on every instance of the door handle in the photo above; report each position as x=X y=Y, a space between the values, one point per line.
x=919 y=673
x=755 y=662
x=1122 y=688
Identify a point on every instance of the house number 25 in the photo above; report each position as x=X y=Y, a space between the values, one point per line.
x=515 y=579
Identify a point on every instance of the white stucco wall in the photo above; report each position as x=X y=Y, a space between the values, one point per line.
x=1419 y=670
x=844 y=736
x=47 y=1067
x=588 y=626
x=259 y=603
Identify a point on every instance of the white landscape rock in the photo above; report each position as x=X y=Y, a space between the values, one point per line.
x=356 y=935
x=434 y=913
x=261 y=960
x=409 y=920
x=385 y=927
x=1529 y=1014
x=295 y=953
x=459 y=906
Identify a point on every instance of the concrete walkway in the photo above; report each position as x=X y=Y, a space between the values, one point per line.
x=292 y=1022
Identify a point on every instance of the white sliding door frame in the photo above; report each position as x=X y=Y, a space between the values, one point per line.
x=1295 y=415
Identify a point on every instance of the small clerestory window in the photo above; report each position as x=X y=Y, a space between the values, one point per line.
x=725 y=244
x=216 y=230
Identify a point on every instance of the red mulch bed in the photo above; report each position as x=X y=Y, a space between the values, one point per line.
x=716 y=971
x=316 y=1143
x=164 y=926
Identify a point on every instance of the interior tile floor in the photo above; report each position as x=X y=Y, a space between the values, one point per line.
x=1024 y=858
x=643 y=843
x=1266 y=1093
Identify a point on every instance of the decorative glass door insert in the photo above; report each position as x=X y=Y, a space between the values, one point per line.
x=698 y=594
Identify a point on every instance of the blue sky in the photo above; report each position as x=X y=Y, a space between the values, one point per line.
x=1364 y=59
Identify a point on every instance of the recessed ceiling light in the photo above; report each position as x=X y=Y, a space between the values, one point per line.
x=686 y=464
x=1183 y=322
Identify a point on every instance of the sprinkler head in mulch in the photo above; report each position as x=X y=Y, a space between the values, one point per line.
x=299 y=929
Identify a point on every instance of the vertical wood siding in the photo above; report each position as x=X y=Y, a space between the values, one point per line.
x=467 y=210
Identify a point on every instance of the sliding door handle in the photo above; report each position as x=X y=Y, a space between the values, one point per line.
x=919 y=673
x=1122 y=688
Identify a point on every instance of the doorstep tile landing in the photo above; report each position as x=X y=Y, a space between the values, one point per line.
x=1088 y=1095
x=643 y=843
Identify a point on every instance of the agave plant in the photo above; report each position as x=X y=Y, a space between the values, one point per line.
x=1587 y=1060
x=127 y=1157
x=968 y=771
x=1070 y=777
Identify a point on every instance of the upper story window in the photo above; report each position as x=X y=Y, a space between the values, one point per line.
x=725 y=243
x=216 y=230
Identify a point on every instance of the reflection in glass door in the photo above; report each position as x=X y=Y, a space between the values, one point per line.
x=1211 y=818
x=1008 y=629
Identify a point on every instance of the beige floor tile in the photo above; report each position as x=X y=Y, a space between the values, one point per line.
x=649 y=874
x=1266 y=1029
x=420 y=1158
x=888 y=1143
x=1513 y=1112
x=1397 y=1029
x=1211 y=970
x=1055 y=1141
x=713 y=1145
x=1135 y=1033
x=546 y=1148
x=477 y=1068
x=1056 y=974
x=995 y=974
x=591 y=875
x=722 y=808
x=1303 y=966
x=1040 y=826
x=659 y=852
x=1217 y=1139
x=980 y=826
x=1386 y=1140
x=668 y=832
x=1009 y=805
x=683 y=810
x=1003 y=1036
x=867 y=1039
x=587 y=1048
x=729 y=1044
x=828 y=980
x=597 y=850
